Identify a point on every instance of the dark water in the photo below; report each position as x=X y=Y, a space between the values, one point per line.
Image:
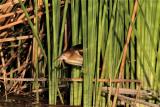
x=25 y=101
x=28 y=100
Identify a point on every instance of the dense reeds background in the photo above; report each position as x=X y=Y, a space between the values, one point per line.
x=34 y=34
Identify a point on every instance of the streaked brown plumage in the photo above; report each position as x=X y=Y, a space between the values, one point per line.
x=73 y=56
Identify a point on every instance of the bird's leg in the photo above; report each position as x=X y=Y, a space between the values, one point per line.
x=62 y=63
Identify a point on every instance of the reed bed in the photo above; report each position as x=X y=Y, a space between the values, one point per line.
x=104 y=52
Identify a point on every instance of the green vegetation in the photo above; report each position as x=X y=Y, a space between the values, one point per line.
x=103 y=28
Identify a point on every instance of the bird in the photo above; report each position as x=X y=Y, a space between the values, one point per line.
x=73 y=56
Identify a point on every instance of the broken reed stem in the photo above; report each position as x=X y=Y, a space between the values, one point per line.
x=125 y=91
x=122 y=97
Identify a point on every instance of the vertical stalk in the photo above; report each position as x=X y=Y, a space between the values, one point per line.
x=76 y=87
x=53 y=74
x=36 y=49
x=4 y=72
x=106 y=64
x=63 y=26
x=121 y=74
x=33 y=30
x=85 y=56
x=48 y=51
x=100 y=34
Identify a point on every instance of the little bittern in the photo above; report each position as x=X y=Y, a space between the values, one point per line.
x=73 y=56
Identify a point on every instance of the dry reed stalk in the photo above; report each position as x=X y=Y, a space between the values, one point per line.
x=23 y=79
x=5 y=8
x=14 y=46
x=65 y=38
x=20 y=83
x=18 y=22
x=27 y=60
x=9 y=61
x=3 y=69
x=10 y=39
x=124 y=98
x=101 y=80
x=14 y=13
x=19 y=69
x=8 y=4
x=121 y=73
x=125 y=91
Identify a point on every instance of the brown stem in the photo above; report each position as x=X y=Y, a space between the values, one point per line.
x=121 y=73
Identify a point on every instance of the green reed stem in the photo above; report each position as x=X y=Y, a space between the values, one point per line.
x=48 y=49
x=62 y=27
x=33 y=30
x=85 y=56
